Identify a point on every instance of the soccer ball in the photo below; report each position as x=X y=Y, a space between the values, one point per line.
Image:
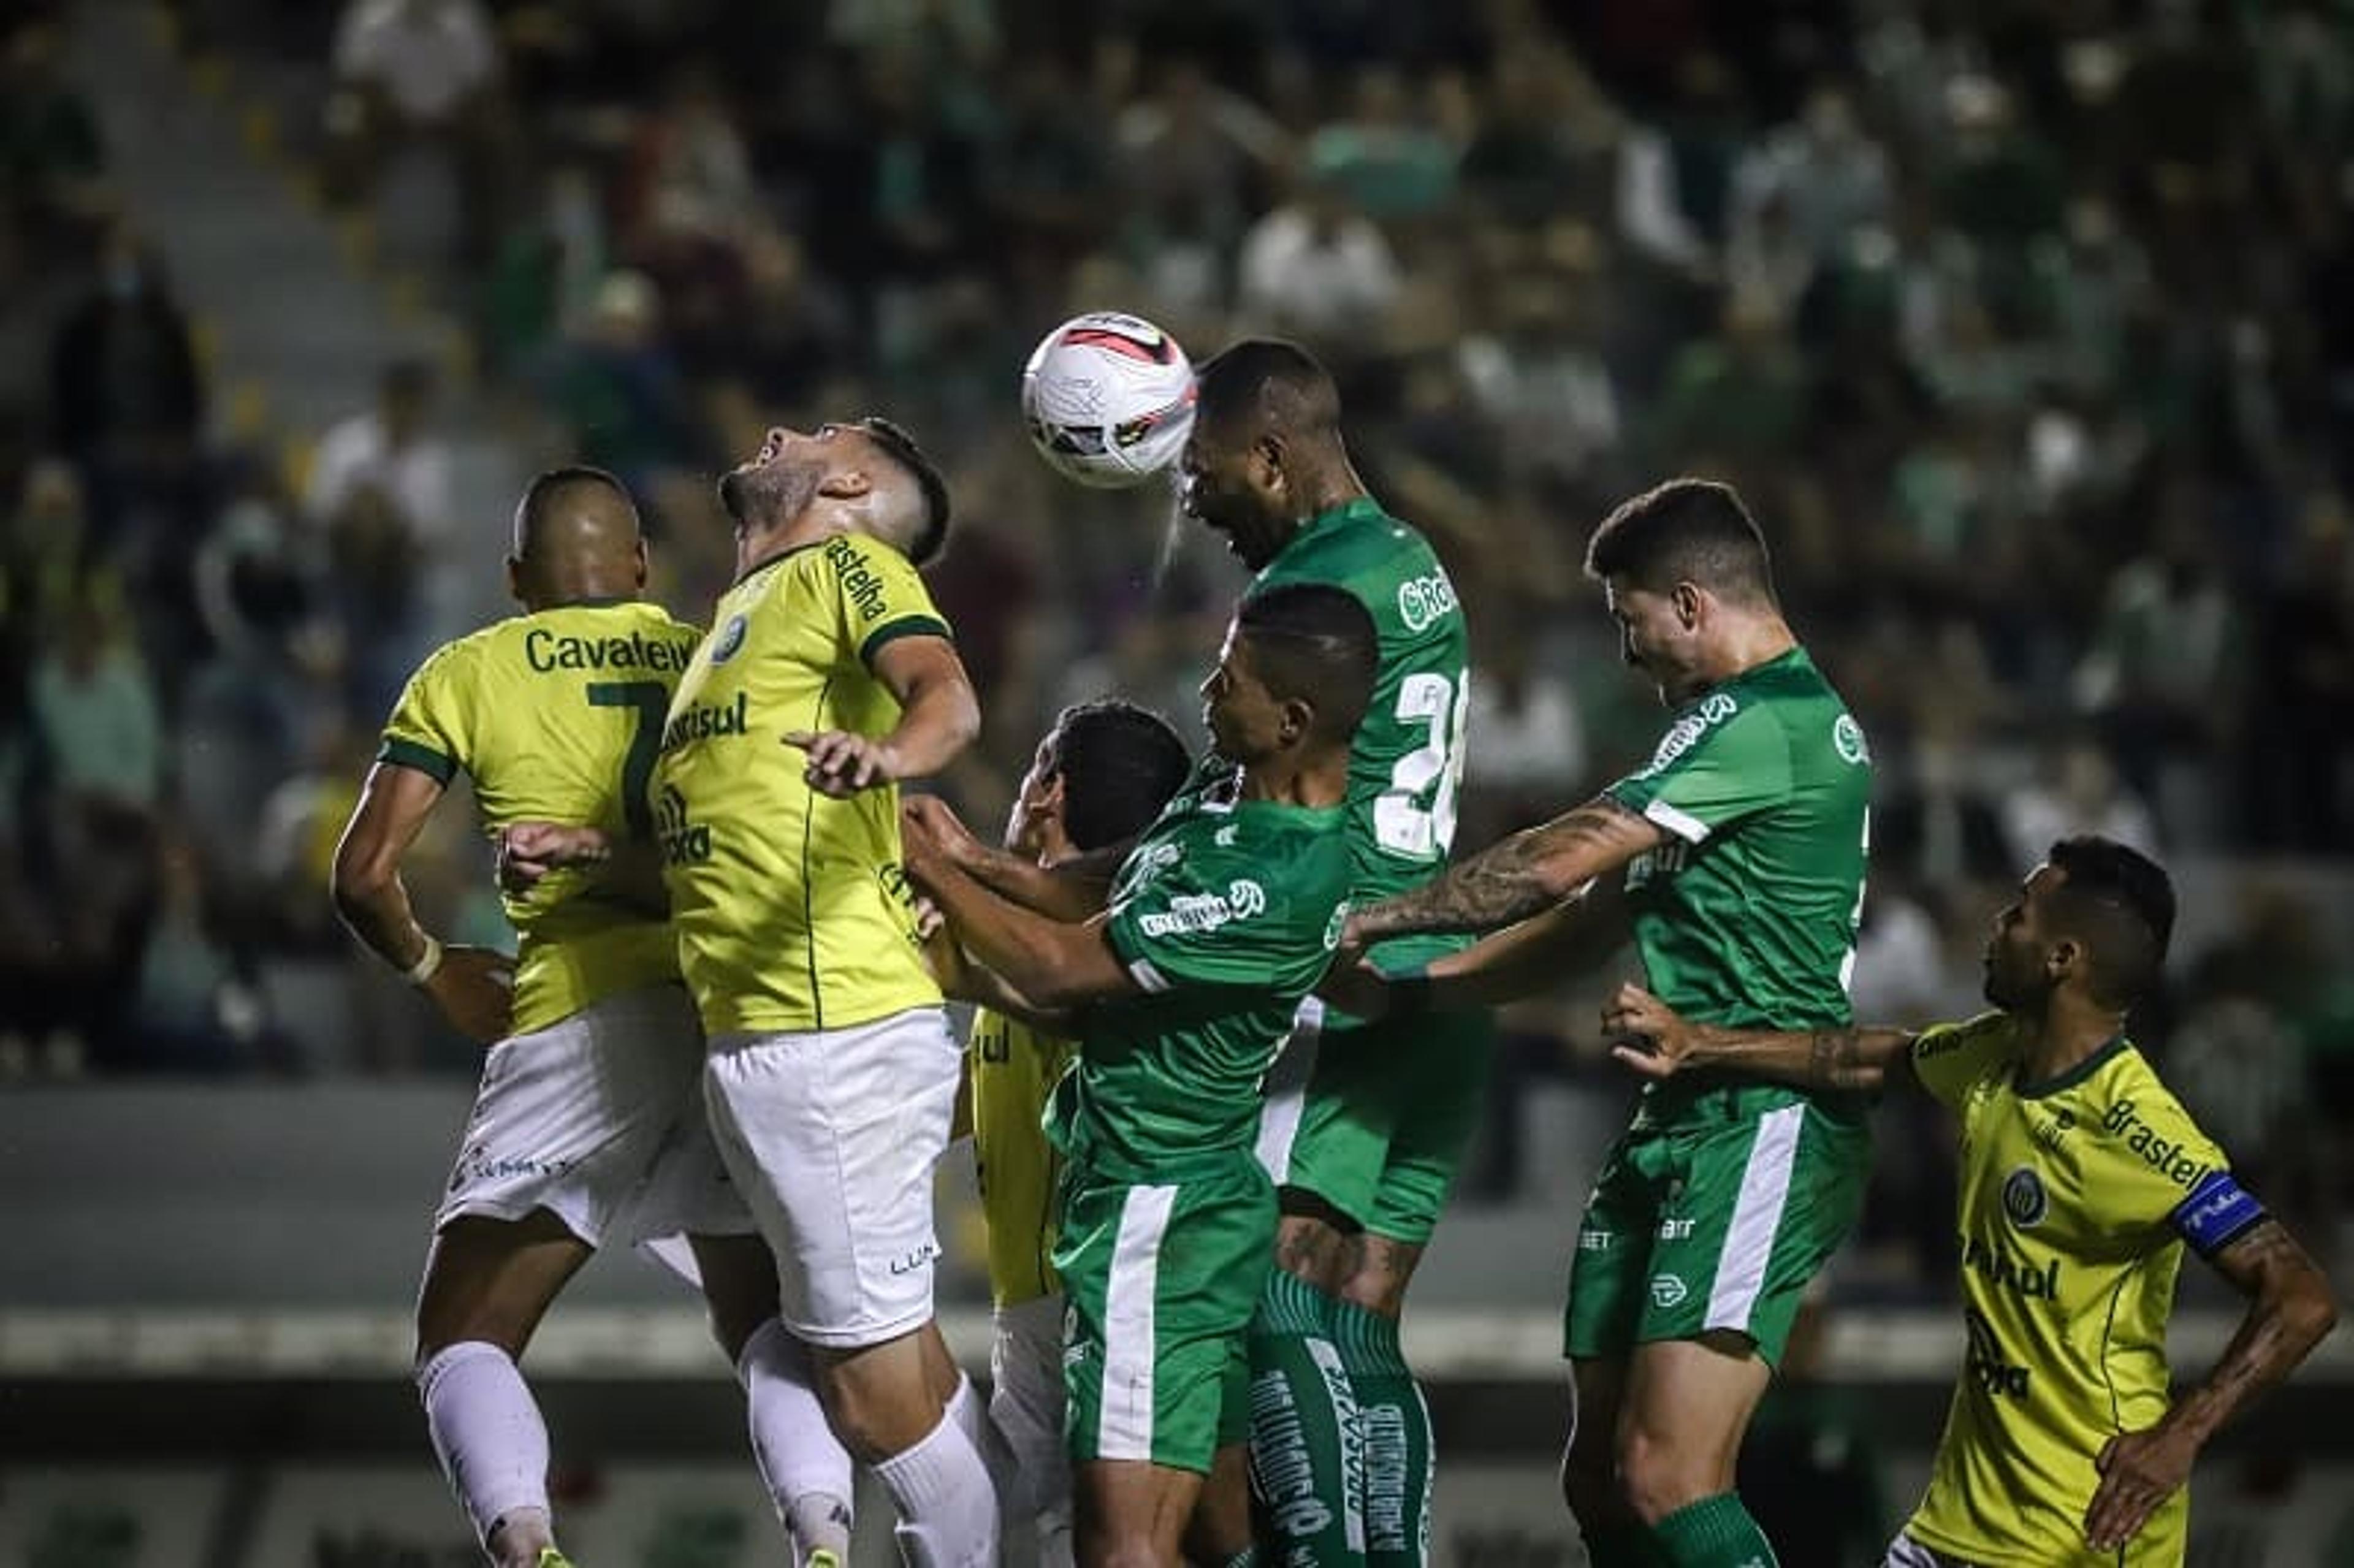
x=1108 y=399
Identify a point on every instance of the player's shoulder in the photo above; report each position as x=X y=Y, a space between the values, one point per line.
x=466 y=655
x=2129 y=1114
x=1989 y=1031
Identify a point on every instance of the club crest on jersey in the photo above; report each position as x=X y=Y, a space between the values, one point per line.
x=1847 y=739
x=2024 y=1202
x=730 y=637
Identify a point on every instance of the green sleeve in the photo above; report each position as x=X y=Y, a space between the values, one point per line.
x=1720 y=761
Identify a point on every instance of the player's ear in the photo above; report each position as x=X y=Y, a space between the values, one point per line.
x=1298 y=719
x=1268 y=452
x=515 y=579
x=2064 y=958
x=643 y=567
x=846 y=484
x=1686 y=597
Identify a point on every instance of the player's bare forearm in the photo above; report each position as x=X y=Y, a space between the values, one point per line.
x=1659 y=1042
x=1073 y=890
x=1536 y=954
x=941 y=722
x=984 y=987
x=2290 y=1310
x=365 y=881
x=1519 y=878
x=1049 y=963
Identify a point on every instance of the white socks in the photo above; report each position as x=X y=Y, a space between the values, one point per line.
x=944 y=1493
x=806 y=1468
x=488 y=1432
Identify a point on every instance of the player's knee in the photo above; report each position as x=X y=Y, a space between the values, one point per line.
x=1655 y=1479
x=876 y=1406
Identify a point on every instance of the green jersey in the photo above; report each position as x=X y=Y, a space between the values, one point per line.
x=1406 y=762
x=1746 y=917
x=1225 y=913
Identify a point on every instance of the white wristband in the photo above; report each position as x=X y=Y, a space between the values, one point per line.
x=426 y=966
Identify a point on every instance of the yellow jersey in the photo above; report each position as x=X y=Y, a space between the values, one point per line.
x=556 y=716
x=1014 y=1070
x=790 y=907
x=2076 y=1197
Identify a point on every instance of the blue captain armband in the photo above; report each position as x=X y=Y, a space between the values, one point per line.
x=2218 y=1212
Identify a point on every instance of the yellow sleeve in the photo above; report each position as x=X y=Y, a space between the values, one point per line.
x=427 y=728
x=1949 y=1057
x=881 y=595
x=2149 y=1160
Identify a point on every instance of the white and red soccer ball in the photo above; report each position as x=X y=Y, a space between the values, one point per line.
x=1108 y=399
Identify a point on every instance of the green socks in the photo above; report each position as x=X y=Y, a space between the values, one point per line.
x=1397 y=1438
x=1306 y=1463
x=1619 y=1546
x=1715 y=1533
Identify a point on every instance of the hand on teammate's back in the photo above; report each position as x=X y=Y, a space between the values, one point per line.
x=1644 y=1032
x=2138 y=1470
x=842 y=764
x=527 y=852
x=1352 y=985
x=474 y=989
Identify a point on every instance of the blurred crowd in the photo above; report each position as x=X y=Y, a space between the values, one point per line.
x=2027 y=329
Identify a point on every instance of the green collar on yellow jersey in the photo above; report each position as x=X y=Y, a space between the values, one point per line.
x=2071 y=1077
x=756 y=568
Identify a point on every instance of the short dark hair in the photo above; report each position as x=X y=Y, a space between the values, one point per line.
x=1119 y=765
x=1267 y=378
x=1315 y=643
x=2120 y=904
x=1686 y=530
x=549 y=487
x=893 y=439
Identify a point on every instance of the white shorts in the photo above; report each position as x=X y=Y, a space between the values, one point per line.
x=596 y=1119
x=1025 y=1400
x=1907 y=1552
x=831 y=1137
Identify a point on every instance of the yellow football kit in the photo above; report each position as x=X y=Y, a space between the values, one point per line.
x=1014 y=1070
x=556 y=716
x=2076 y=1197
x=790 y=907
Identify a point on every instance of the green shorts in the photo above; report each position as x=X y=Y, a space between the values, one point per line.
x=1159 y=1286
x=1716 y=1219
x=1391 y=1107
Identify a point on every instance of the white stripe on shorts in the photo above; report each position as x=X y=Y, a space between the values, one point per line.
x=1756 y=1218
x=1124 y=1428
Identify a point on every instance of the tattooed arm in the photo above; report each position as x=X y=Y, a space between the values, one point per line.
x=2290 y=1309
x=1509 y=881
x=1659 y=1042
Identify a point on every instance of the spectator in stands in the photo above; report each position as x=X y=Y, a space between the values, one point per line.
x=52 y=155
x=1317 y=267
x=126 y=391
x=381 y=499
x=423 y=73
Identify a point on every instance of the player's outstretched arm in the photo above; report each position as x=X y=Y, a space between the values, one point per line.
x=1659 y=1042
x=1074 y=889
x=1516 y=878
x=1051 y=964
x=1520 y=960
x=938 y=717
x=472 y=987
x=2290 y=1310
